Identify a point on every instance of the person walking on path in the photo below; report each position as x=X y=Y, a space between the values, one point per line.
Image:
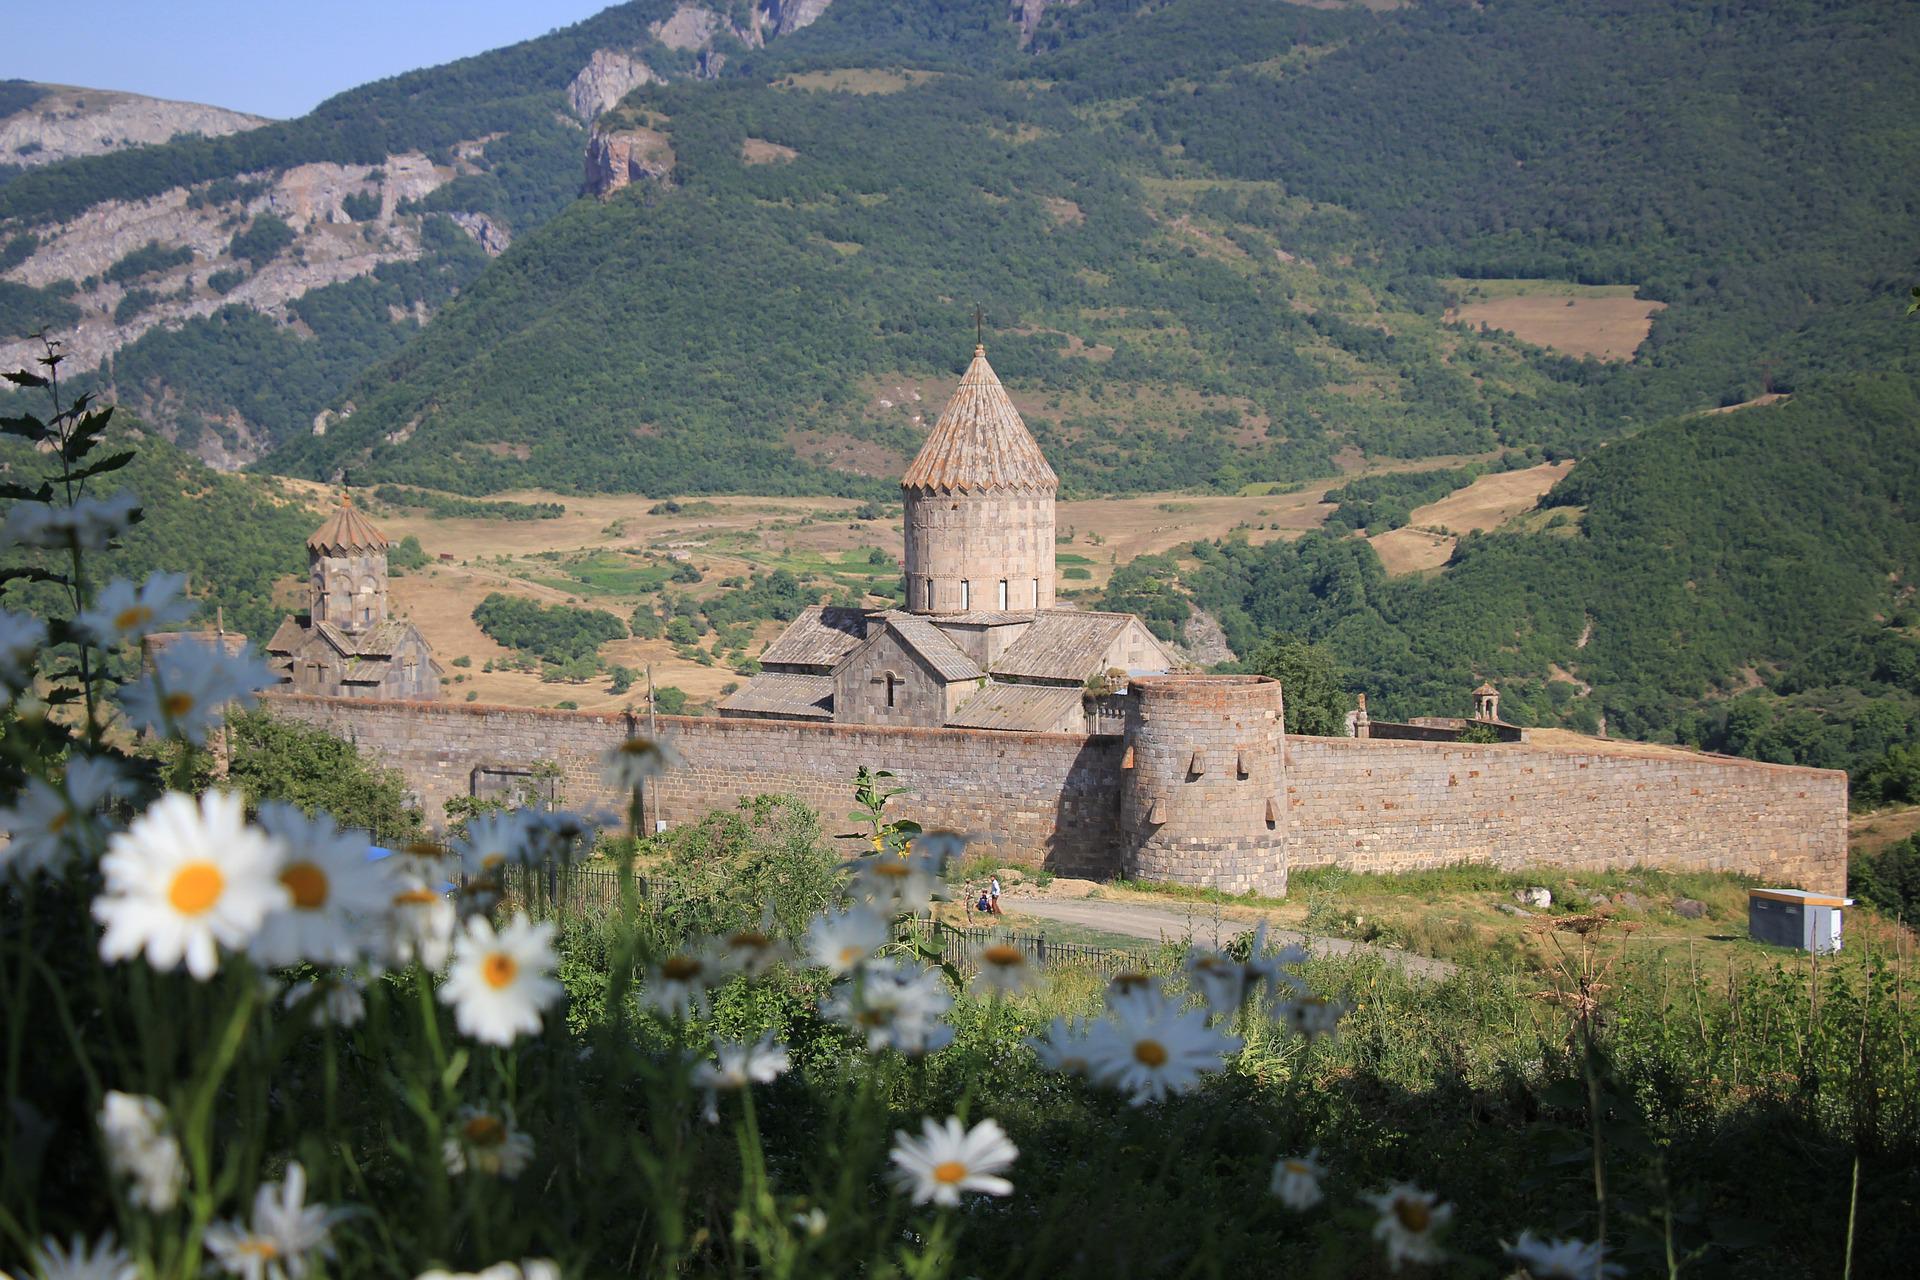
x=993 y=895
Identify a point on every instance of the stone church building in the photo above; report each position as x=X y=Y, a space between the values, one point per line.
x=346 y=645
x=980 y=644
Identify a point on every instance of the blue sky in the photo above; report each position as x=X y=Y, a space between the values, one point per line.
x=271 y=57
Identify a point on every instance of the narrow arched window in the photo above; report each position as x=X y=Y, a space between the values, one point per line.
x=966 y=595
x=1003 y=595
x=893 y=683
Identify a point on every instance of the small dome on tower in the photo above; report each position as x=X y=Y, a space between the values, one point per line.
x=979 y=443
x=346 y=532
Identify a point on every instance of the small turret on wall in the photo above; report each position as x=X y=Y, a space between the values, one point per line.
x=1203 y=793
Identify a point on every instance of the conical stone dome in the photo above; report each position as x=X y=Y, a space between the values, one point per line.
x=979 y=444
x=346 y=532
x=979 y=507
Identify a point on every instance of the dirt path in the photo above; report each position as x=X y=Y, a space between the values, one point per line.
x=1136 y=920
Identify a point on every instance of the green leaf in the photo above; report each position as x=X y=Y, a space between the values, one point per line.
x=112 y=462
x=21 y=378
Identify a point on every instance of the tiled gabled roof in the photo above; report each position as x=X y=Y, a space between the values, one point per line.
x=1031 y=708
x=927 y=640
x=979 y=443
x=783 y=693
x=819 y=637
x=1062 y=646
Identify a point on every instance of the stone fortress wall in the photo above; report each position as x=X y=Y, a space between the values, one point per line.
x=1073 y=802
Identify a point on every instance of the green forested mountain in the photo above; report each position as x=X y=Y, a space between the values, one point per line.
x=1254 y=208
x=1740 y=581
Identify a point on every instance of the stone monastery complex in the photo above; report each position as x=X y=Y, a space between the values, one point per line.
x=1057 y=737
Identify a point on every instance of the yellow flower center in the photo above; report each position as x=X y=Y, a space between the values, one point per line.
x=422 y=849
x=1413 y=1215
x=850 y=954
x=1298 y=1167
x=680 y=968
x=874 y=1016
x=1128 y=981
x=177 y=704
x=260 y=1247
x=195 y=888
x=484 y=1131
x=492 y=861
x=308 y=885
x=641 y=747
x=132 y=616
x=1004 y=956
x=499 y=969
x=1150 y=1053
x=749 y=940
x=58 y=822
x=949 y=1172
x=898 y=870
x=414 y=897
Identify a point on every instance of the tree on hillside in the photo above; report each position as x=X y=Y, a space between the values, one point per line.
x=1310 y=680
x=275 y=759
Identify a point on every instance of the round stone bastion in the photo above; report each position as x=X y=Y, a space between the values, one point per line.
x=1203 y=788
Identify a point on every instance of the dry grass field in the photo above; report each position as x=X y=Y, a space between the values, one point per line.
x=610 y=552
x=861 y=80
x=1487 y=503
x=1603 y=321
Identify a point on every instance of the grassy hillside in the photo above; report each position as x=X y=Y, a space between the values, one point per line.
x=1216 y=243
x=1710 y=577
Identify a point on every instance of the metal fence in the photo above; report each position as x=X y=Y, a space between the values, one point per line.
x=962 y=946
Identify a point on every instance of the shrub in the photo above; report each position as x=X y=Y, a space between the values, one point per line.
x=263 y=240
x=557 y=633
x=1889 y=880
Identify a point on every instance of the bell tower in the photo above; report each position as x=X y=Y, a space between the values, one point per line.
x=979 y=506
x=347 y=571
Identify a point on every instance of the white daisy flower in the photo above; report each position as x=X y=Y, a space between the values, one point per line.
x=501 y=981
x=526 y=1269
x=681 y=983
x=491 y=842
x=939 y=848
x=1562 y=1259
x=837 y=941
x=561 y=835
x=190 y=688
x=80 y=1260
x=1131 y=982
x=1220 y=979
x=897 y=884
x=335 y=896
x=488 y=1144
x=1270 y=971
x=22 y=636
x=631 y=763
x=1149 y=1046
x=1004 y=970
x=753 y=952
x=284 y=1236
x=140 y=1147
x=45 y=824
x=90 y=523
x=1409 y=1219
x=1062 y=1048
x=811 y=1224
x=123 y=611
x=736 y=1066
x=337 y=1000
x=186 y=879
x=420 y=921
x=1296 y=1181
x=893 y=1003
x=1311 y=1016
x=948 y=1160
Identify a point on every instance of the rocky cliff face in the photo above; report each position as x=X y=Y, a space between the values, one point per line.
x=1029 y=12
x=66 y=122
x=609 y=76
x=617 y=158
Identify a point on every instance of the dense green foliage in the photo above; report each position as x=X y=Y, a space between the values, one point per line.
x=445 y=507
x=275 y=759
x=1315 y=700
x=233 y=536
x=1705 y=548
x=1146 y=587
x=262 y=240
x=150 y=258
x=1386 y=501
x=1889 y=880
x=25 y=309
x=558 y=633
